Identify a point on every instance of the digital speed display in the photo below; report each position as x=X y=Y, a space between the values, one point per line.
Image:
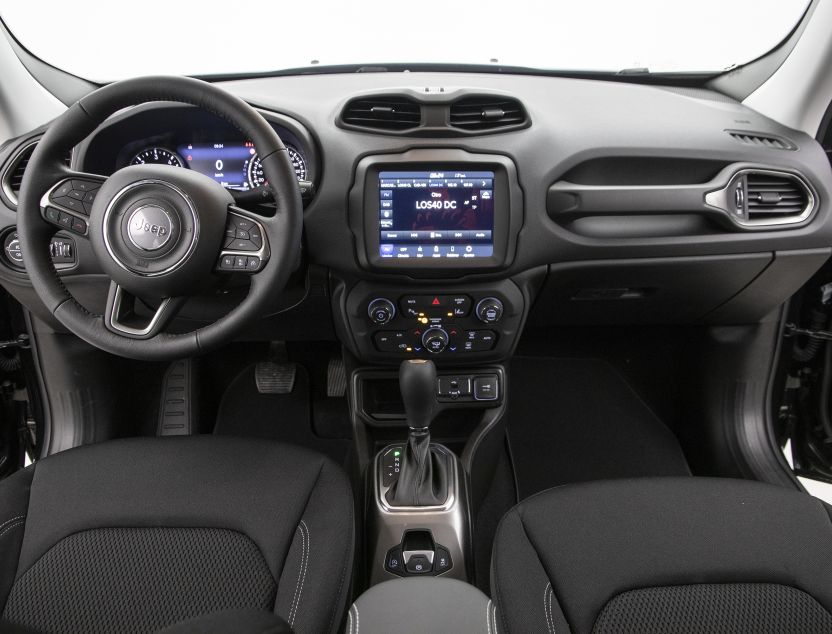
x=436 y=214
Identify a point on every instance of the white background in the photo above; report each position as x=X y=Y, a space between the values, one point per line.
x=114 y=40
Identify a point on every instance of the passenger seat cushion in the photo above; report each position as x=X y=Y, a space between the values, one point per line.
x=590 y=543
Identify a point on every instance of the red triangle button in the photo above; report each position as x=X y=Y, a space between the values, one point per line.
x=435 y=301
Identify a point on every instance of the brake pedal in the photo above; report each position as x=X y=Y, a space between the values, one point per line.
x=336 y=378
x=275 y=378
x=176 y=412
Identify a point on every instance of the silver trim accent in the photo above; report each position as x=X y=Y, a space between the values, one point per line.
x=10 y=166
x=407 y=554
x=118 y=296
x=448 y=522
x=108 y=212
x=263 y=252
x=45 y=200
x=723 y=198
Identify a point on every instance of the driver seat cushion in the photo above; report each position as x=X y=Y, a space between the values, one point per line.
x=141 y=534
x=665 y=554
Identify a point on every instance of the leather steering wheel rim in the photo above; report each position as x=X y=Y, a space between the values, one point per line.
x=46 y=168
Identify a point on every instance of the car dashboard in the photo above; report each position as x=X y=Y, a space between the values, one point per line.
x=446 y=212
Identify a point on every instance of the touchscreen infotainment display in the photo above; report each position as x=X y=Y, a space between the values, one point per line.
x=436 y=214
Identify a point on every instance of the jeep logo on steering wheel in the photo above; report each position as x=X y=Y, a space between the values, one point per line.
x=149 y=227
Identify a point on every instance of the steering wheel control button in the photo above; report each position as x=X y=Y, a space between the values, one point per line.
x=52 y=214
x=489 y=310
x=150 y=227
x=435 y=340
x=227 y=263
x=381 y=311
x=76 y=195
x=79 y=225
x=486 y=388
x=253 y=264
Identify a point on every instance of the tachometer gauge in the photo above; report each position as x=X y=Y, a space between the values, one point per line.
x=257 y=178
x=298 y=162
x=158 y=156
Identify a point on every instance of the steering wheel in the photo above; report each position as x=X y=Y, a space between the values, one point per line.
x=161 y=233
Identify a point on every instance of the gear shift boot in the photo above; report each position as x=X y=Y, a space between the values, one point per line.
x=423 y=477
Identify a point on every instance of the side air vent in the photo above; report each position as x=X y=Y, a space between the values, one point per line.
x=382 y=113
x=776 y=197
x=762 y=140
x=484 y=114
x=12 y=176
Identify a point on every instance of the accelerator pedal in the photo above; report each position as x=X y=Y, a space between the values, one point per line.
x=176 y=412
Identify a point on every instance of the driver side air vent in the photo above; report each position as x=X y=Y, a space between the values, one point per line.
x=482 y=114
x=12 y=176
x=382 y=113
x=776 y=197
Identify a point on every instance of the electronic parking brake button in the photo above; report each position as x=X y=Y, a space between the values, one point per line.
x=419 y=565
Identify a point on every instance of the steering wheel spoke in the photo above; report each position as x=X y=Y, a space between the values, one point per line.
x=245 y=245
x=120 y=316
x=67 y=205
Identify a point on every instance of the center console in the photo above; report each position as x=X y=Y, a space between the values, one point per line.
x=435 y=233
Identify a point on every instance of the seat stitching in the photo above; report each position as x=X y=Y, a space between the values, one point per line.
x=357 y=618
x=494 y=616
x=19 y=517
x=304 y=563
x=11 y=526
x=349 y=621
x=547 y=605
x=488 y=616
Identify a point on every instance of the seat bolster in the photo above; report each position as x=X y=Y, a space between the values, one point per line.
x=14 y=505
x=525 y=598
x=320 y=558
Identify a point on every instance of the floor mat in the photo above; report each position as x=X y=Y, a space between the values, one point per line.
x=243 y=411
x=573 y=420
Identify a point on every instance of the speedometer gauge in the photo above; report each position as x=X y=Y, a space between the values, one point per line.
x=257 y=178
x=157 y=156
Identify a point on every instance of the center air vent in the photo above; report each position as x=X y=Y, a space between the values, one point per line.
x=383 y=113
x=776 y=196
x=12 y=176
x=482 y=114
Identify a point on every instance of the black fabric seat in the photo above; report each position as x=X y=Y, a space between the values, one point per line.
x=138 y=535
x=665 y=555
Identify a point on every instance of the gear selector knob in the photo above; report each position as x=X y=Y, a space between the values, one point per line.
x=417 y=382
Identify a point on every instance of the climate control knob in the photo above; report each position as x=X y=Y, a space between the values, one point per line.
x=381 y=311
x=435 y=340
x=489 y=310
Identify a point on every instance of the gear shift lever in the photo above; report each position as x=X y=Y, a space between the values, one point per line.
x=423 y=478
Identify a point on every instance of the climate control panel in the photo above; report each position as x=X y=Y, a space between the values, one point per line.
x=479 y=322
x=438 y=324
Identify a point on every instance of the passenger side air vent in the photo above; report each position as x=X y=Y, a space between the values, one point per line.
x=12 y=176
x=762 y=140
x=483 y=114
x=776 y=197
x=382 y=113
